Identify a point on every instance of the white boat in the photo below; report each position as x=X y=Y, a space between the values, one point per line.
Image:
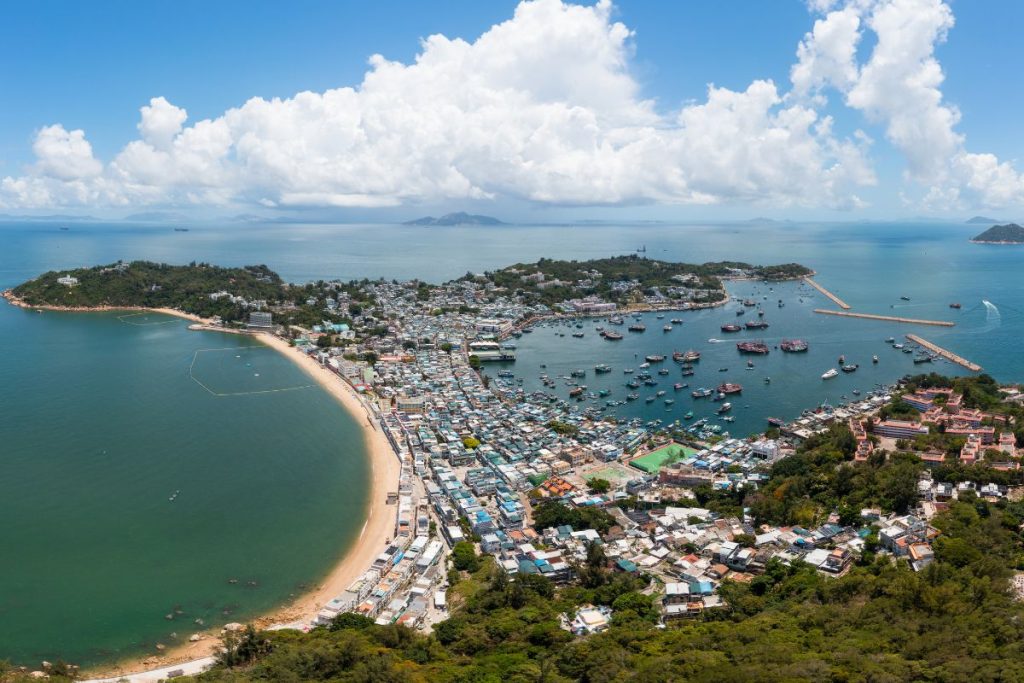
x=830 y=374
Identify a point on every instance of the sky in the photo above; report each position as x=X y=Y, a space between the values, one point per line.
x=539 y=110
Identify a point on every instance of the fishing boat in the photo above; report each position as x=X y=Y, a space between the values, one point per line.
x=775 y=422
x=578 y=391
x=756 y=324
x=654 y=358
x=601 y=368
x=689 y=415
x=611 y=335
x=666 y=328
x=677 y=386
x=660 y=393
x=874 y=359
x=731 y=328
x=922 y=358
x=650 y=399
x=637 y=327
x=578 y=335
x=757 y=347
x=663 y=371
x=730 y=388
x=669 y=401
x=793 y=345
x=830 y=373
x=676 y=321
x=632 y=397
x=689 y=356
x=850 y=367
x=724 y=408
x=701 y=393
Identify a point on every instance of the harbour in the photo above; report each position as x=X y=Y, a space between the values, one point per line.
x=948 y=355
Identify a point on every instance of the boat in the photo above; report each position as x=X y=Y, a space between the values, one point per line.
x=654 y=358
x=677 y=386
x=907 y=350
x=650 y=399
x=578 y=391
x=775 y=422
x=632 y=397
x=728 y=418
x=578 y=335
x=615 y=320
x=755 y=324
x=666 y=328
x=701 y=393
x=603 y=392
x=660 y=316
x=793 y=345
x=749 y=302
x=602 y=368
x=832 y=372
x=578 y=373
x=954 y=305
x=724 y=408
x=752 y=347
x=689 y=415
x=874 y=359
x=527 y=330
x=731 y=328
x=897 y=346
x=767 y=380
x=723 y=369
x=660 y=393
x=505 y=373
x=922 y=358
x=175 y=230
x=663 y=371
x=633 y=384
x=65 y=229
x=905 y=298
x=739 y=312
x=850 y=367
x=611 y=335
x=890 y=340
x=637 y=327
x=690 y=356
x=651 y=382
x=856 y=392
x=669 y=401
x=627 y=371
x=676 y=321
x=842 y=359
x=687 y=373
x=729 y=388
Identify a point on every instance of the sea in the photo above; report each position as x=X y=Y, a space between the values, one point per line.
x=153 y=476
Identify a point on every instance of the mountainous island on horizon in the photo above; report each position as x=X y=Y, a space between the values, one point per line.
x=981 y=220
x=457 y=218
x=1010 y=233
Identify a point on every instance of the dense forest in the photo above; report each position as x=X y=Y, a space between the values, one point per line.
x=156 y=285
x=1011 y=232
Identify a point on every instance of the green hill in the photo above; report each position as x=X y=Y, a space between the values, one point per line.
x=1011 y=233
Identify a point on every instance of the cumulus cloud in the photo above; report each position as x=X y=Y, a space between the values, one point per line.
x=541 y=107
x=899 y=86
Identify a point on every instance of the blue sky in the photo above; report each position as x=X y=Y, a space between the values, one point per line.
x=91 y=66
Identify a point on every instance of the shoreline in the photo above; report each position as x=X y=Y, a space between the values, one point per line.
x=353 y=562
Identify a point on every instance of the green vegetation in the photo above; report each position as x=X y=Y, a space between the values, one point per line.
x=551 y=513
x=606 y=278
x=1011 y=232
x=563 y=428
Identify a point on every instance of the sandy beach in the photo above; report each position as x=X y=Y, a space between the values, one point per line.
x=377 y=530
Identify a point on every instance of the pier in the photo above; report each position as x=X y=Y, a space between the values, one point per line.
x=835 y=299
x=889 y=318
x=948 y=355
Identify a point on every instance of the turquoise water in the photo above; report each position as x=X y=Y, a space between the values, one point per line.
x=103 y=424
x=102 y=421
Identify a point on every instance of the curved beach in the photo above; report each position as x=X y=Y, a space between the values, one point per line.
x=377 y=530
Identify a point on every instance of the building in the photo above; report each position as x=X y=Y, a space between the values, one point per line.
x=899 y=429
x=67 y=280
x=261 y=320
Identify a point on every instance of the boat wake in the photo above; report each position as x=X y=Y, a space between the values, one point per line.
x=992 y=314
x=715 y=341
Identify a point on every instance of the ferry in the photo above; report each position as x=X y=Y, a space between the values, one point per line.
x=730 y=388
x=731 y=328
x=832 y=372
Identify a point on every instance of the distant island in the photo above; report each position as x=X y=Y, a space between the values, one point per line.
x=1011 y=233
x=458 y=218
x=981 y=220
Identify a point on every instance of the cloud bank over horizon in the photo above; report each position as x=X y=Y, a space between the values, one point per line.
x=543 y=108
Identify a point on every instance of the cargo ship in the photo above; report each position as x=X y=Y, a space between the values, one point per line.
x=731 y=328
x=729 y=388
x=793 y=345
x=752 y=347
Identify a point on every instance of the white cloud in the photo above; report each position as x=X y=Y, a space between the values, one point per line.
x=541 y=107
x=64 y=155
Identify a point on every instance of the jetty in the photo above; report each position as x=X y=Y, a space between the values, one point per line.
x=835 y=299
x=889 y=318
x=948 y=355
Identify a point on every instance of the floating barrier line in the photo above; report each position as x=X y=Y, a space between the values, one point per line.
x=235 y=393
